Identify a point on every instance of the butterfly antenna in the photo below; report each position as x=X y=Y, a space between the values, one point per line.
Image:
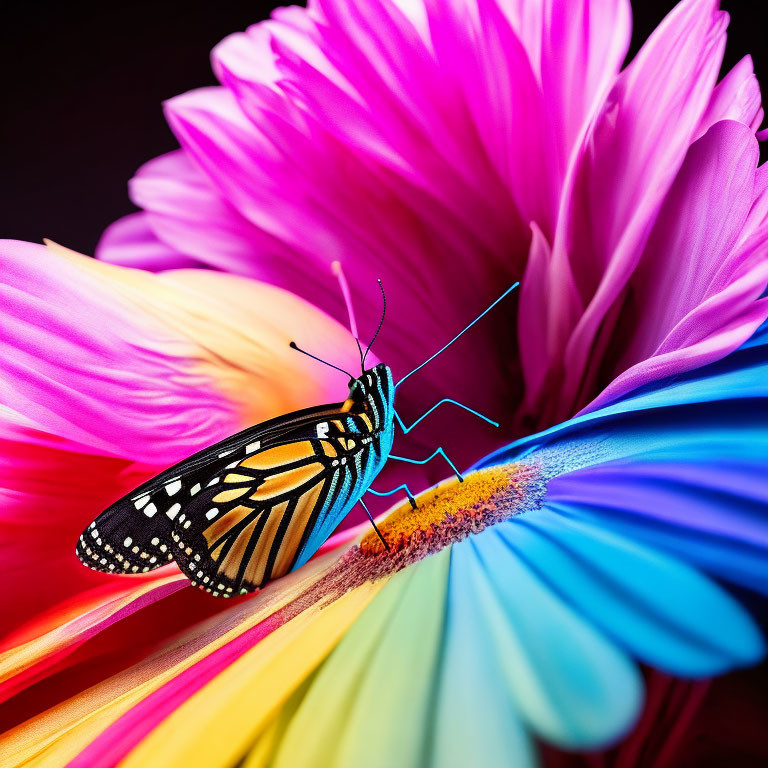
x=458 y=335
x=381 y=322
x=337 y=270
x=293 y=345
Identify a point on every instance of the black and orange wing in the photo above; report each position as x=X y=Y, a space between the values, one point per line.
x=249 y=525
x=133 y=535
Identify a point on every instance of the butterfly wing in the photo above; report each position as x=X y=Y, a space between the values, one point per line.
x=133 y=535
x=250 y=526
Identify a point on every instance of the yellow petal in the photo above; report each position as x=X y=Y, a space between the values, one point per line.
x=216 y=726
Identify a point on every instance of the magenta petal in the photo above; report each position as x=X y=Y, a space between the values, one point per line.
x=694 y=294
x=584 y=43
x=697 y=347
x=700 y=224
x=532 y=324
x=185 y=211
x=80 y=362
x=225 y=144
x=131 y=241
x=153 y=367
x=639 y=149
x=736 y=97
x=758 y=213
x=484 y=60
x=627 y=162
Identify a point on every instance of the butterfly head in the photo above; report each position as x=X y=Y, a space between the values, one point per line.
x=373 y=392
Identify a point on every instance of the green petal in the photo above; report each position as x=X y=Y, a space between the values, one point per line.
x=371 y=702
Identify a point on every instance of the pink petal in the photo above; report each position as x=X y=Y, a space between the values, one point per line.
x=149 y=367
x=185 y=211
x=532 y=325
x=584 y=43
x=736 y=97
x=700 y=223
x=694 y=294
x=131 y=241
x=627 y=162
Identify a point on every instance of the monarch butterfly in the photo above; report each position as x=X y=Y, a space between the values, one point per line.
x=260 y=503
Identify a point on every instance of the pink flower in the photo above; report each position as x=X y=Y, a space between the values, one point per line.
x=453 y=147
x=450 y=148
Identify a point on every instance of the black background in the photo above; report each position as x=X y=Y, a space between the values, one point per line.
x=84 y=82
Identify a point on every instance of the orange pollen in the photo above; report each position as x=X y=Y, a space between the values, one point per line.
x=453 y=506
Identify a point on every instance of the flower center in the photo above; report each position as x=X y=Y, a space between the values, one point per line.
x=450 y=510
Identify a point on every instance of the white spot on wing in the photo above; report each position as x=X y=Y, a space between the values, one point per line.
x=174 y=510
x=251 y=447
x=173 y=487
x=211 y=513
x=150 y=510
x=128 y=542
x=322 y=429
x=194 y=489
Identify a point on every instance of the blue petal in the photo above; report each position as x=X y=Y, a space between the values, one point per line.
x=471 y=696
x=736 y=385
x=570 y=683
x=713 y=514
x=660 y=610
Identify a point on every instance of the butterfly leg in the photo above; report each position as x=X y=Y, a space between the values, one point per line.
x=424 y=415
x=375 y=528
x=438 y=452
x=402 y=487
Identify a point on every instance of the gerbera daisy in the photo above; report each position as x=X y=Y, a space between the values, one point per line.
x=448 y=148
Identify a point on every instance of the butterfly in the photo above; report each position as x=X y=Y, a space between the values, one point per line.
x=260 y=503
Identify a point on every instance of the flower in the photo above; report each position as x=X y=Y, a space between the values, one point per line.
x=448 y=148
x=374 y=133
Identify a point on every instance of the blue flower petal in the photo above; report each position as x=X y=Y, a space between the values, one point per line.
x=713 y=514
x=681 y=465
x=469 y=698
x=662 y=611
x=736 y=385
x=571 y=684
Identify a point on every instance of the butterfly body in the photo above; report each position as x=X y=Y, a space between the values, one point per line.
x=256 y=505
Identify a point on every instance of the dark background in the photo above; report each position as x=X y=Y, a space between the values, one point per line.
x=84 y=83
